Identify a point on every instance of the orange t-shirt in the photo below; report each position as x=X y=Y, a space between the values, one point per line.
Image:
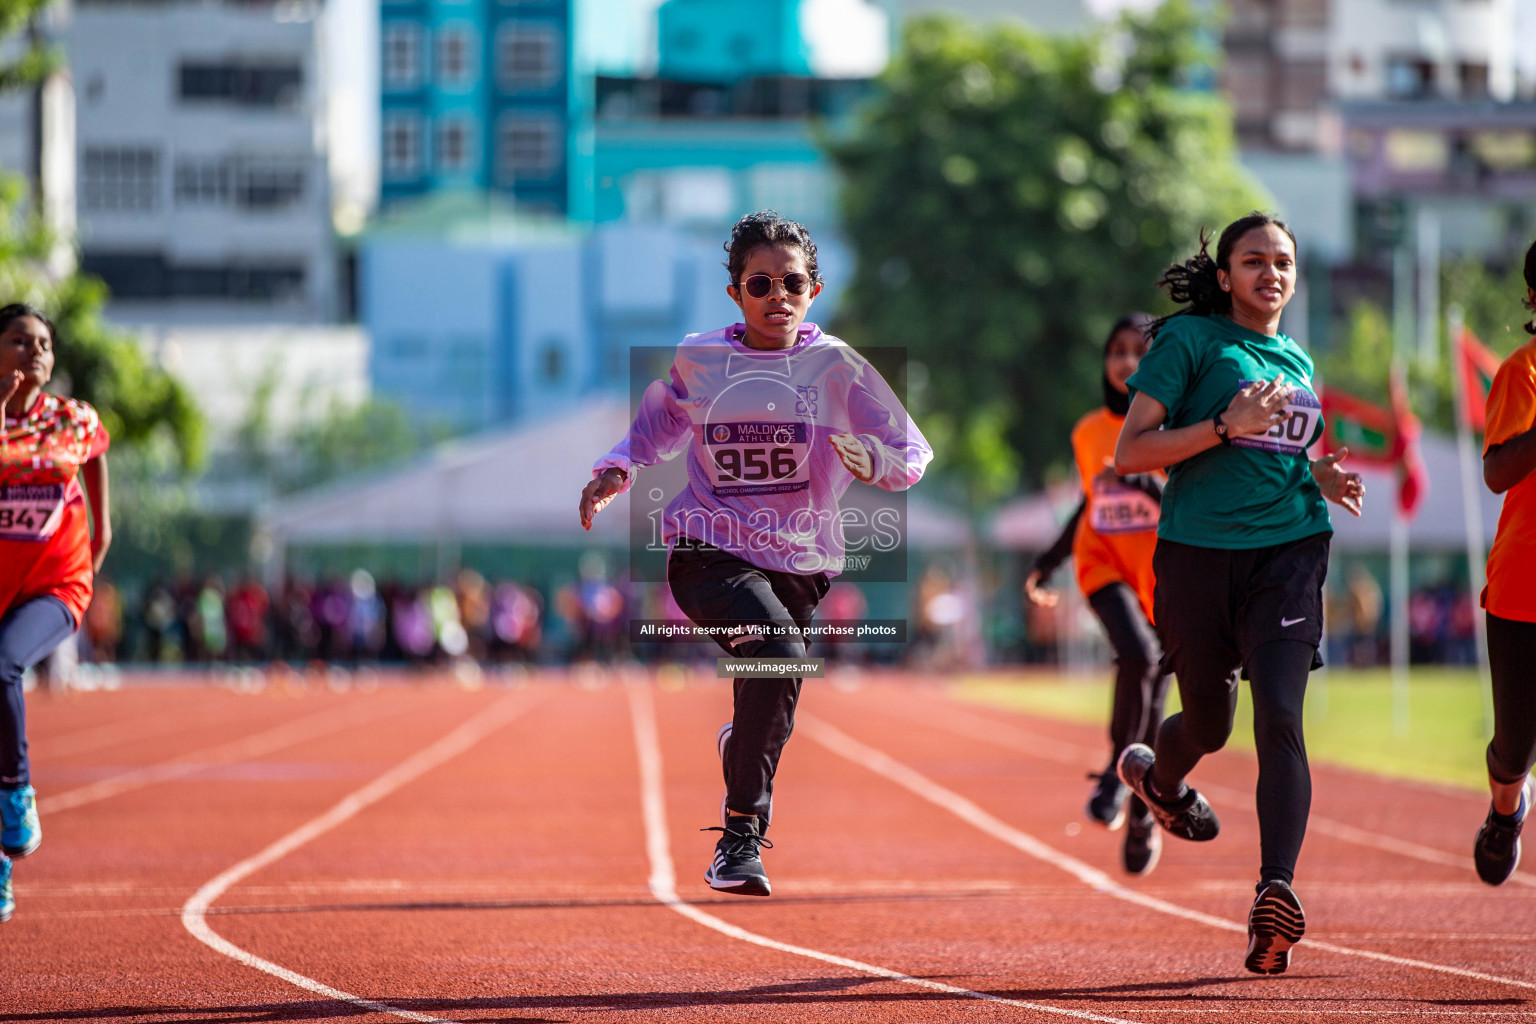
x=1512 y=560
x=1118 y=533
x=45 y=536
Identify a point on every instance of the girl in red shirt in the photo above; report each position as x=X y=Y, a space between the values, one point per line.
x=48 y=555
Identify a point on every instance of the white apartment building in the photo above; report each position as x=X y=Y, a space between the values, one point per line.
x=1423 y=49
x=202 y=160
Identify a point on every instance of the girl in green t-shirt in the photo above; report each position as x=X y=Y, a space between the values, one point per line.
x=1224 y=401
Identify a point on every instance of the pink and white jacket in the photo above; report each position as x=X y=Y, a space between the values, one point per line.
x=763 y=480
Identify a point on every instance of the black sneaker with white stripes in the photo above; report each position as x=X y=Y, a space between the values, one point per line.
x=1143 y=841
x=1275 y=924
x=1189 y=817
x=1107 y=804
x=738 y=865
x=1496 y=853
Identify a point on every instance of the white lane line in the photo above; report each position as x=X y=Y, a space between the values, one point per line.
x=1014 y=738
x=846 y=746
x=663 y=879
x=194 y=912
x=285 y=735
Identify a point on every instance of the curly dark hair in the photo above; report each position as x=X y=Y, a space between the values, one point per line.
x=1194 y=283
x=765 y=227
x=16 y=310
x=1530 y=282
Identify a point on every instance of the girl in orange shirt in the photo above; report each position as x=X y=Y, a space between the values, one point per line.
x=48 y=556
x=1509 y=468
x=1111 y=537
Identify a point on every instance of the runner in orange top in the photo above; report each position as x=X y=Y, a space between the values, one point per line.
x=1509 y=468
x=1111 y=537
x=48 y=555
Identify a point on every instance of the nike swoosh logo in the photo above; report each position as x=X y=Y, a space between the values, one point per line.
x=1291 y=622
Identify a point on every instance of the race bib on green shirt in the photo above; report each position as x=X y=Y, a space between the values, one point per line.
x=1294 y=435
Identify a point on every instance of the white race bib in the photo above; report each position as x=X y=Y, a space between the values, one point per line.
x=1292 y=436
x=1122 y=509
x=758 y=458
x=30 y=511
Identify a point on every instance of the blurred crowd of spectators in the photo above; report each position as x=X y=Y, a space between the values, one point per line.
x=350 y=619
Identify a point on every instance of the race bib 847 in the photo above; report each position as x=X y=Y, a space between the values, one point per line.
x=30 y=511
x=1292 y=436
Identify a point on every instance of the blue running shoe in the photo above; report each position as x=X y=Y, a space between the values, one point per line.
x=20 y=831
x=7 y=901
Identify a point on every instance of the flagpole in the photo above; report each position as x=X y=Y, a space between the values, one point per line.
x=1402 y=314
x=1472 y=513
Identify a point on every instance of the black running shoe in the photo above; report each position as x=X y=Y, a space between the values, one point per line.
x=1497 y=850
x=1143 y=841
x=1189 y=817
x=1275 y=924
x=738 y=867
x=1107 y=804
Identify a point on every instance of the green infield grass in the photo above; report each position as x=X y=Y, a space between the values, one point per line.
x=1349 y=717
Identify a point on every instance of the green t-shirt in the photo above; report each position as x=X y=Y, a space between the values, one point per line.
x=1259 y=491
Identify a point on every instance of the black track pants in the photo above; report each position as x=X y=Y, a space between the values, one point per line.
x=1512 y=657
x=1140 y=684
x=715 y=588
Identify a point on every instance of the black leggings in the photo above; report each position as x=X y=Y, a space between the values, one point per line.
x=1140 y=684
x=1277 y=673
x=1512 y=657
x=715 y=588
x=27 y=633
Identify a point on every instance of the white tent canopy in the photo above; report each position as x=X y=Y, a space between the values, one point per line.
x=518 y=486
x=1032 y=522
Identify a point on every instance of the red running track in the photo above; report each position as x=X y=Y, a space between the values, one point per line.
x=426 y=852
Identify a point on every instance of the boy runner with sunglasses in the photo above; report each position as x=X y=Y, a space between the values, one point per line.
x=777 y=419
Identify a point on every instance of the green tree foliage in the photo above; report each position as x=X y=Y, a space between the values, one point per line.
x=1009 y=196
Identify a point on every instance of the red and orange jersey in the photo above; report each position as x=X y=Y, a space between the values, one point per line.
x=1115 y=540
x=1512 y=560
x=45 y=540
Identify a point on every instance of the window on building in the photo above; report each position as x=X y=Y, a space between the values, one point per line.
x=269 y=184
x=527 y=147
x=453 y=56
x=244 y=84
x=1410 y=78
x=1473 y=79
x=454 y=149
x=120 y=178
x=402 y=145
x=202 y=181
x=552 y=361
x=150 y=276
x=527 y=57
x=402 y=55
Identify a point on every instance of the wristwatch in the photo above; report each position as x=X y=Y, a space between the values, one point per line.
x=1221 y=429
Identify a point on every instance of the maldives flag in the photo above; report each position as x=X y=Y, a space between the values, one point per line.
x=1378 y=437
x=1477 y=365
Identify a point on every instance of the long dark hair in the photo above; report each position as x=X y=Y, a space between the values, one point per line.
x=765 y=227
x=16 y=310
x=1194 y=283
x=1530 y=282
x=1114 y=401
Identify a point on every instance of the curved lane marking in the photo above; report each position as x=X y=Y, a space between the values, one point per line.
x=846 y=746
x=663 y=879
x=194 y=912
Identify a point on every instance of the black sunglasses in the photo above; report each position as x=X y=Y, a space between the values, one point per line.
x=759 y=285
